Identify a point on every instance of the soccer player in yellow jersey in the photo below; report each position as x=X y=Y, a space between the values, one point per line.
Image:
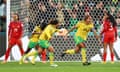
x=33 y=41
x=45 y=37
x=34 y=38
x=33 y=44
x=83 y=28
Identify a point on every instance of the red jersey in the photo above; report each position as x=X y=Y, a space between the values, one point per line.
x=108 y=28
x=15 y=29
x=109 y=32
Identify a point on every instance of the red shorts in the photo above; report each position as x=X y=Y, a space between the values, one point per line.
x=14 y=41
x=108 y=37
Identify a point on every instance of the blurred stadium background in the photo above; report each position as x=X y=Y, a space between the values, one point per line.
x=2 y=27
x=68 y=12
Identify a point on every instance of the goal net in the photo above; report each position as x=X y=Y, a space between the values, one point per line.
x=68 y=12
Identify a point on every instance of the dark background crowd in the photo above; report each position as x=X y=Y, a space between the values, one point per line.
x=2 y=15
x=68 y=12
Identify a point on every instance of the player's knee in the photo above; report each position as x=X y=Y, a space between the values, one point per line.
x=51 y=49
x=82 y=45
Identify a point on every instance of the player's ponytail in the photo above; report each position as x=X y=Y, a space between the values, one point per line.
x=112 y=19
x=53 y=21
x=43 y=25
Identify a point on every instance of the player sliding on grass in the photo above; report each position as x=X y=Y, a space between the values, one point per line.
x=83 y=28
x=33 y=44
x=14 y=36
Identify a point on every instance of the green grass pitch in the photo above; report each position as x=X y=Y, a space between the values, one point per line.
x=63 y=67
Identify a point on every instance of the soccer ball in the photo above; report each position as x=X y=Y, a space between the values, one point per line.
x=62 y=32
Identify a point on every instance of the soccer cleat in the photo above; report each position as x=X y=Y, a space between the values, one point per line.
x=103 y=62
x=53 y=65
x=63 y=54
x=21 y=60
x=33 y=63
x=4 y=62
x=44 y=61
x=86 y=63
x=33 y=60
x=25 y=62
x=112 y=62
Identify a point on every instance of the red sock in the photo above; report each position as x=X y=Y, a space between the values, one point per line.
x=21 y=51
x=7 y=53
x=112 y=56
x=104 y=56
x=43 y=56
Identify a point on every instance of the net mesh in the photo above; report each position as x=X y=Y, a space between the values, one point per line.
x=68 y=12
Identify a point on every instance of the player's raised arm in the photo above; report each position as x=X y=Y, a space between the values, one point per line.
x=36 y=33
x=35 y=30
x=75 y=27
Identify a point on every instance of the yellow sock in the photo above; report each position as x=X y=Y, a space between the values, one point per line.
x=33 y=53
x=72 y=51
x=33 y=59
x=27 y=55
x=51 y=56
x=83 y=53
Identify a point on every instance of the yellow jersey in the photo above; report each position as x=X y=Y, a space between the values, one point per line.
x=35 y=37
x=48 y=32
x=83 y=29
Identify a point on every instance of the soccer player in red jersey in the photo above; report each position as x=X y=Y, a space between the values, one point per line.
x=109 y=33
x=14 y=36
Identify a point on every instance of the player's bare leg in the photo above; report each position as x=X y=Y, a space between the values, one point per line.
x=51 y=56
x=7 y=54
x=104 y=53
x=26 y=52
x=76 y=50
x=111 y=53
x=20 y=47
x=71 y=51
x=21 y=51
x=36 y=53
x=83 y=53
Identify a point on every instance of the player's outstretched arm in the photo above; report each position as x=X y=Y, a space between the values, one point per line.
x=74 y=27
x=95 y=33
x=36 y=33
x=65 y=36
x=64 y=32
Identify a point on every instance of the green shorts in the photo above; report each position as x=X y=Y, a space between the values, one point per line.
x=32 y=44
x=78 y=40
x=44 y=44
